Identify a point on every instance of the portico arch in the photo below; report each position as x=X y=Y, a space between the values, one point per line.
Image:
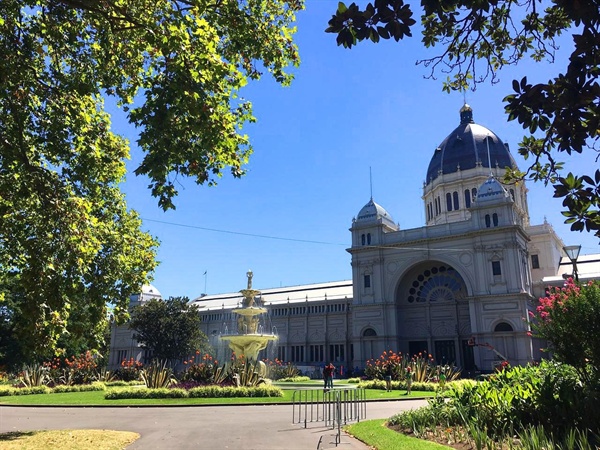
x=433 y=313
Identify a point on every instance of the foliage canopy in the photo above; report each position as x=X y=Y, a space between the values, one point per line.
x=175 y=66
x=480 y=37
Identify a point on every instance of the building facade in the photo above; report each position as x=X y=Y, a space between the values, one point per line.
x=458 y=288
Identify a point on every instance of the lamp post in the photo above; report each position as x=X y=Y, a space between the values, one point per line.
x=572 y=252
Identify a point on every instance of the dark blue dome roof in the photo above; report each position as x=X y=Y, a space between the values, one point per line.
x=467 y=147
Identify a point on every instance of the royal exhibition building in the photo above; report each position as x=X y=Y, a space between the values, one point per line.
x=458 y=288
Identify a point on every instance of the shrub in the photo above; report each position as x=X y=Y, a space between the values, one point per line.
x=76 y=369
x=121 y=383
x=277 y=369
x=397 y=385
x=198 y=392
x=395 y=364
x=133 y=393
x=81 y=368
x=550 y=395
x=59 y=389
x=10 y=390
x=541 y=403
x=389 y=362
x=62 y=388
x=568 y=318
x=231 y=392
x=294 y=379
x=206 y=372
x=129 y=370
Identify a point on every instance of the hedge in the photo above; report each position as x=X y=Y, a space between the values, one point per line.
x=197 y=392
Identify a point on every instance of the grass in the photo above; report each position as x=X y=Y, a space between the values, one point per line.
x=67 y=440
x=96 y=398
x=377 y=435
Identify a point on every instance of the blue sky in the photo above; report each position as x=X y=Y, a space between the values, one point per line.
x=347 y=111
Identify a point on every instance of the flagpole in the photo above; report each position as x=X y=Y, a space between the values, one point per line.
x=205 y=276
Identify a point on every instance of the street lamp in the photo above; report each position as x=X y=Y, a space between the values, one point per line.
x=572 y=252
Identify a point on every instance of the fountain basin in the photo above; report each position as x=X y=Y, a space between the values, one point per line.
x=248 y=345
x=251 y=311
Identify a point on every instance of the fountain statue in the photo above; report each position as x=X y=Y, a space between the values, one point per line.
x=250 y=338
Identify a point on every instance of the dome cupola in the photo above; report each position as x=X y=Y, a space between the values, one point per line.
x=468 y=146
x=373 y=213
x=466 y=114
x=491 y=191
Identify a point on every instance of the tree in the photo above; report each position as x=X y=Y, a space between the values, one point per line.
x=569 y=319
x=63 y=259
x=169 y=329
x=478 y=38
x=175 y=66
x=68 y=243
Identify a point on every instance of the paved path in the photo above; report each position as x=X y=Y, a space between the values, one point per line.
x=198 y=427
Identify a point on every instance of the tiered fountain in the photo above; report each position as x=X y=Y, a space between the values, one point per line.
x=251 y=337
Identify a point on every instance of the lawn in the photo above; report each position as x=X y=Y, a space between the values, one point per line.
x=96 y=398
x=377 y=435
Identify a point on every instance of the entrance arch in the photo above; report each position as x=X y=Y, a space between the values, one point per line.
x=433 y=313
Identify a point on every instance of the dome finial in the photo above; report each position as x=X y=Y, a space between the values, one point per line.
x=371 y=182
x=466 y=114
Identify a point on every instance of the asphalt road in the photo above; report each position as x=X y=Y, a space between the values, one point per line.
x=199 y=427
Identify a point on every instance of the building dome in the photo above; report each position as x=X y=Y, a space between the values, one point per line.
x=148 y=289
x=491 y=190
x=467 y=147
x=373 y=213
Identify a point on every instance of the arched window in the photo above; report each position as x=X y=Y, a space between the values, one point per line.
x=467 y=198
x=474 y=193
x=439 y=283
x=488 y=222
x=369 y=332
x=368 y=238
x=455 y=198
x=495 y=219
x=448 y=202
x=362 y=239
x=503 y=327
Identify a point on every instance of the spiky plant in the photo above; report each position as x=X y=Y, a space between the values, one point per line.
x=34 y=375
x=157 y=375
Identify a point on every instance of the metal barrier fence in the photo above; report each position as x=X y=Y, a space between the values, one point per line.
x=335 y=407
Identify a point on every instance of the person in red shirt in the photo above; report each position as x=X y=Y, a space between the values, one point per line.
x=328 y=376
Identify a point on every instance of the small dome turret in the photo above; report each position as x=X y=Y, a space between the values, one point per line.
x=148 y=293
x=150 y=290
x=372 y=213
x=491 y=191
